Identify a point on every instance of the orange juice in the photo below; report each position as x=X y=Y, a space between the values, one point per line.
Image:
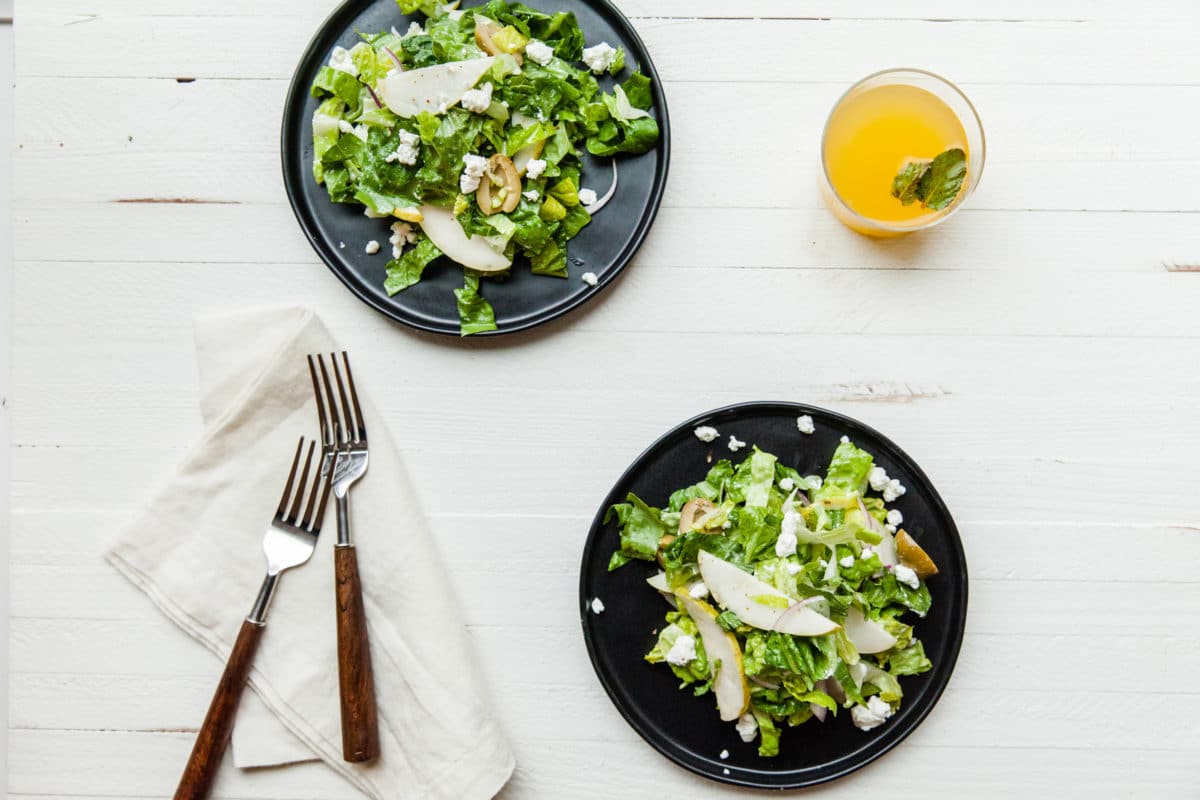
x=871 y=135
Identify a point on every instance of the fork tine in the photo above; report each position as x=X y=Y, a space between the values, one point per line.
x=358 y=415
x=294 y=512
x=351 y=430
x=321 y=483
x=287 y=487
x=334 y=416
x=326 y=439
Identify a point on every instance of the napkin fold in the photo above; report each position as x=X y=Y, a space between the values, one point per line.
x=196 y=551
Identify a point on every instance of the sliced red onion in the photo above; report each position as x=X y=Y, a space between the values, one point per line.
x=374 y=96
x=872 y=523
x=603 y=201
x=764 y=684
x=803 y=498
x=795 y=608
x=395 y=58
x=818 y=711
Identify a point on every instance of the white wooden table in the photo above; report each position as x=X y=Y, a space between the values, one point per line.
x=1038 y=355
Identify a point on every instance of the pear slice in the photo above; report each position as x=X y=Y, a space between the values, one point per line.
x=444 y=231
x=659 y=581
x=913 y=557
x=743 y=594
x=866 y=635
x=434 y=89
x=730 y=686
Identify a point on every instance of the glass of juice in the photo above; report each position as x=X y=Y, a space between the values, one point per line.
x=901 y=151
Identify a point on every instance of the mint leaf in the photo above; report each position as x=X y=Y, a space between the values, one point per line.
x=935 y=183
x=904 y=185
x=940 y=184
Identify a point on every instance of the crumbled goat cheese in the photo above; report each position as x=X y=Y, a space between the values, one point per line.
x=597 y=606
x=805 y=424
x=893 y=490
x=589 y=278
x=477 y=100
x=600 y=57
x=473 y=169
x=534 y=168
x=894 y=517
x=341 y=60
x=847 y=561
x=530 y=194
x=785 y=545
x=890 y=529
x=402 y=234
x=735 y=443
x=793 y=568
x=724 y=754
x=872 y=715
x=698 y=590
x=587 y=197
x=787 y=484
x=706 y=433
x=906 y=576
x=683 y=652
x=845 y=440
x=406 y=149
x=372 y=247
x=878 y=478
x=866 y=553
x=747 y=726
x=539 y=52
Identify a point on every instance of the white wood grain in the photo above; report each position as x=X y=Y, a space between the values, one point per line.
x=1044 y=158
x=6 y=290
x=1035 y=355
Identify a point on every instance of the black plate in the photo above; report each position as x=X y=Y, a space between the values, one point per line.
x=339 y=232
x=686 y=729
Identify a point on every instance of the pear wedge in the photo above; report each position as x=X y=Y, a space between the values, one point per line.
x=743 y=594
x=866 y=635
x=659 y=581
x=444 y=231
x=434 y=89
x=913 y=556
x=729 y=685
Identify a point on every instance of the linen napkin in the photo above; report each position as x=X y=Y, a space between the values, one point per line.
x=196 y=550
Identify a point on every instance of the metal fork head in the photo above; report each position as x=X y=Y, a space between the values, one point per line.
x=292 y=534
x=343 y=430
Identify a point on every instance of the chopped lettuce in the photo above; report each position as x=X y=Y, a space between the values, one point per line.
x=556 y=110
x=830 y=571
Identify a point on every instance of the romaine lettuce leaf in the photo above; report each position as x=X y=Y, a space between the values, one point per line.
x=640 y=525
x=406 y=270
x=474 y=313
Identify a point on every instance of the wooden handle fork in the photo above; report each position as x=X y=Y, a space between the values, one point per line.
x=202 y=766
x=356 y=680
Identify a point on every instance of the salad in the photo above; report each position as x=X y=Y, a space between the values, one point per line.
x=466 y=134
x=789 y=594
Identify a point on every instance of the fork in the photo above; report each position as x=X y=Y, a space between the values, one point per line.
x=344 y=456
x=289 y=542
